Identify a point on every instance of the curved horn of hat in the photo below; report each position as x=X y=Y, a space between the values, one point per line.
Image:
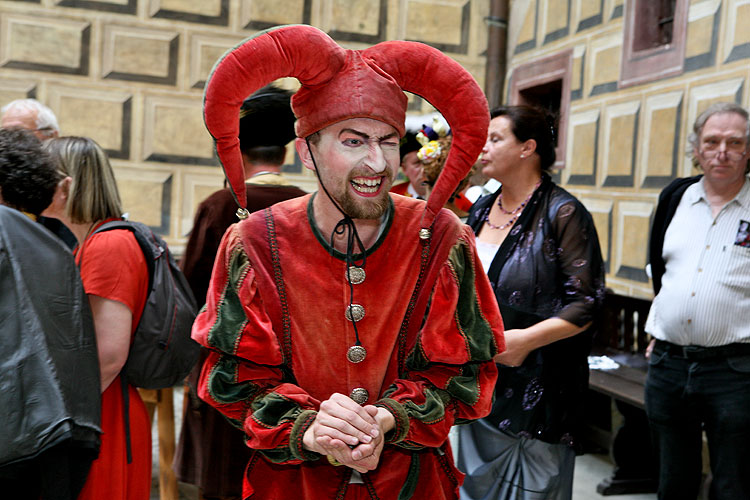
x=427 y=72
x=303 y=52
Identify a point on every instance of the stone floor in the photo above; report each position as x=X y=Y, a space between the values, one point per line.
x=590 y=470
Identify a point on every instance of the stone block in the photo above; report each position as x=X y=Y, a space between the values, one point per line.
x=661 y=135
x=528 y=33
x=555 y=19
x=601 y=211
x=140 y=55
x=44 y=44
x=12 y=89
x=619 y=143
x=444 y=26
x=582 y=150
x=103 y=115
x=588 y=13
x=174 y=132
x=736 y=35
x=204 y=52
x=116 y=6
x=632 y=226
x=211 y=12
x=361 y=21
x=146 y=196
x=577 y=72
x=604 y=63
x=196 y=187
x=261 y=14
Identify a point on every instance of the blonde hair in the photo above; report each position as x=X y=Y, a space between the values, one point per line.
x=93 y=193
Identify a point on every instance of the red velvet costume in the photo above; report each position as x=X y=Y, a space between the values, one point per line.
x=280 y=307
x=275 y=318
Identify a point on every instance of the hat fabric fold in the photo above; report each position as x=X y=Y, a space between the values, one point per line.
x=338 y=84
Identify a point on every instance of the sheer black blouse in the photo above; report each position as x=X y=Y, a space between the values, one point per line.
x=549 y=265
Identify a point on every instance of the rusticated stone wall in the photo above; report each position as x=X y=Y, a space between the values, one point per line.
x=130 y=74
x=625 y=127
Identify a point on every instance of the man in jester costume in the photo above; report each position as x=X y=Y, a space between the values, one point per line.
x=349 y=329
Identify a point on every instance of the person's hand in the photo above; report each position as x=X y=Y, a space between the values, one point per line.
x=339 y=427
x=516 y=349
x=649 y=348
x=367 y=456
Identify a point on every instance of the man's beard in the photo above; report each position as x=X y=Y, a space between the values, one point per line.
x=358 y=207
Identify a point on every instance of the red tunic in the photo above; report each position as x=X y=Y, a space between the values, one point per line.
x=114 y=267
x=275 y=319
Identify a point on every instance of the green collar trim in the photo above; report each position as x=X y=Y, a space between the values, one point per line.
x=385 y=226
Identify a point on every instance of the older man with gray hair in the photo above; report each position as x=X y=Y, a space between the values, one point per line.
x=699 y=364
x=32 y=115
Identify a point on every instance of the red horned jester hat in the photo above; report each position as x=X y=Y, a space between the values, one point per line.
x=337 y=84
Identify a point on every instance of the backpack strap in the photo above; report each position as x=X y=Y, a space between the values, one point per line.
x=146 y=246
x=126 y=416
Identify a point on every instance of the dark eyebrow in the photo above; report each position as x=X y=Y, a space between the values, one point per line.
x=365 y=136
x=355 y=132
x=388 y=136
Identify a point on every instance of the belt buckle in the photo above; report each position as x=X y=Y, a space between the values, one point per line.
x=691 y=352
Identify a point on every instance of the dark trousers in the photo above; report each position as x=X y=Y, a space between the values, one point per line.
x=686 y=396
x=58 y=473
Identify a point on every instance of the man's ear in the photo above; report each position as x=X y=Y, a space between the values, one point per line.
x=56 y=207
x=303 y=151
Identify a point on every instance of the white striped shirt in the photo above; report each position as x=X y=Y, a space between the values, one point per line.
x=705 y=294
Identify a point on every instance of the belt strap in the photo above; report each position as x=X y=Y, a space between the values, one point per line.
x=696 y=352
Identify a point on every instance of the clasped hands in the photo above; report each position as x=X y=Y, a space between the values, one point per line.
x=352 y=434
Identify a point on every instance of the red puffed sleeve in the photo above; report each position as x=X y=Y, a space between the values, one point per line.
x=243 y=376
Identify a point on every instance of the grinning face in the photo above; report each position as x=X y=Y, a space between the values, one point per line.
x=357 y=160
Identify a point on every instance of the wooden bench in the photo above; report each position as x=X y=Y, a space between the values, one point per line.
x=622 y=337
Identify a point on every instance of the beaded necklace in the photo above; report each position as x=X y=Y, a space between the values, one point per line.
x=515 y=213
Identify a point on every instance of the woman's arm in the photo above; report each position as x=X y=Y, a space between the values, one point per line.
x=520 y=342
x=112 y=323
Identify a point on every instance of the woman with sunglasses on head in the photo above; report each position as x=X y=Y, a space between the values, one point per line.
x=539 y=247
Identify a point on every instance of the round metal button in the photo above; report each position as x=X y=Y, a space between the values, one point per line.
x=356 y=275
x=424 y=234
x=354 y=312
x=359 y=395
x=356 y=354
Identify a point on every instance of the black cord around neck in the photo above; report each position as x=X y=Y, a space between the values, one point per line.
x=345 y=225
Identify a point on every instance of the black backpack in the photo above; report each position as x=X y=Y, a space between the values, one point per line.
x=162 y=352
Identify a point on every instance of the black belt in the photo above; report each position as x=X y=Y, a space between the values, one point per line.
x=697 y=353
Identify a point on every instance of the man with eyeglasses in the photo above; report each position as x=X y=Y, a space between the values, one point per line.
x=32 y=115
x=699 y=361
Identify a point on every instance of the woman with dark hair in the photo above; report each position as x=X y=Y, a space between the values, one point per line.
x=539 y=247
x=115 y=278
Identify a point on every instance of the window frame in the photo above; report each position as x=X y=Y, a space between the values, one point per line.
x=655 y=63
x=543 y=71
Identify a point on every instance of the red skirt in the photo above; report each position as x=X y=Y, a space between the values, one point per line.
x=111 y=476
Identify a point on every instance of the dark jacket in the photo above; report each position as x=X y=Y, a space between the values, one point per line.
x=549 y=265
x=49 y=369
x=668 y=200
